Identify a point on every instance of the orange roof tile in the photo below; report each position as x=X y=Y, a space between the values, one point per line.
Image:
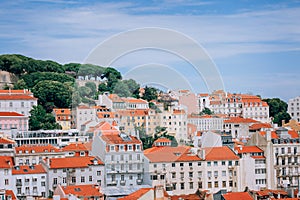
x=83 y=107
x=25 y=169
x=248 y=149
x=75 y=147
x=203 y=95
x=36 y=149
x=136 y=195
x=15 y=92
x=62 y=111
x=178 y=112
x=10 y=114
x=267 y=192
x=6 y=141
x=82 y=190
x=220 y=153
x=186 y=197
x=73 y=162
x=115 y=98
x=134 y=100
x=17 y=97
x=117 y=139
x=238 y=120
x=170 y=154
x=6 y=162
x=293 y=134
x=258 y=126
x=237 y=196
x=106 y=128
x=273 y=134
x=10 y=193
x=133 y=113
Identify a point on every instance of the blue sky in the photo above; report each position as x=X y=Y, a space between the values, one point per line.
x=255 y=44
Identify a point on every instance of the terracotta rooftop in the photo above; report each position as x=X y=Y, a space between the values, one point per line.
x=163 y=139
x=17 y=97
x=10 y=114
x=267 y=192
x=62 y=111
x=25 y=169
x=248 y=149
x=238 y=120
x=10 y=193
x=170 y=154
x=6 y=141
x=219 y=153
x=15 y=92
x=79 y=146
x=82 y=190
x=73 y=162
x=36 y=149
x=6 y=162
x=273 y=134
x=258 y=126
x=117 y=139
x=237 y=196
x=134 y=100
x=136 y=195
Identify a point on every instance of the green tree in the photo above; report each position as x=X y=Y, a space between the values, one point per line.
x=20 y=84
x=40 y=119
x=150 y=93
x=278 y=110
x=102 y=87
x=121 y=89
x=84 y=91
x=206 y=111
x=53 y=91
x=133 y=86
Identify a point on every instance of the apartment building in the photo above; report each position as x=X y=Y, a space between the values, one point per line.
x=238 y=127
x=34 y=154
x=77 y=149
x=184 y=170
x=30 y=181
x=63 y=116
x=13 y=120
x=73 y=171
x=207 y=122
x=6 y=166
x=58 y=138
x=294 y=108
x=122 y=155
x=253 y=166
x=282 y=152
x=20 y=101
x=236 y=105
x=6 y=146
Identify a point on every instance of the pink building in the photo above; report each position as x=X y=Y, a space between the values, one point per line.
x=13 y=120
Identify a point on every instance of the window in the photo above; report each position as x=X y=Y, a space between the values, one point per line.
x=181 y=164
x=55 y=181
x=191 y=185
x=223 y=163
x=82 y=179
x=191 y=174
x=230 y=183
x=215 y=163
x=64 y=179
x=199 y=163
x=181 y=174
x=230 y=163
x=209 y=184
x=209 y=174
x=173 y=164
x=208 y=164
x=98 y=173
x=90 y=178
x=223 y=173
x=6 y=182
x=224 y=184
x=182 y=186
x=173 y=174
x=216 y=184
x=153 y=177
x=73 y=179
x=215 y=173
x=174 y=186
x=190 y=164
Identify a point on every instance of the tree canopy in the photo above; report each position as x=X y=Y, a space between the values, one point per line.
x=278 y=110
x=40 y=119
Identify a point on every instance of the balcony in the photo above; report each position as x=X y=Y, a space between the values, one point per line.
x=112 y=183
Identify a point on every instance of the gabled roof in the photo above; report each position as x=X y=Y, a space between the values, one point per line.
x=237 y=196
x=10 y=114
x=117 y=139
x=28 y=149
x=186 y=197
x=134 y=100
x=73 y=162
x=17 y=97
x=13 y=92
x=238 y=120
x=25 y=169
x=136 y=195
x=293 y=134
x=170 y=154
x=219 y=153
x=162 y=139
x=248 y=149
x=267 y=192
x=6 y=141
x=106 y=128
x=6 y=162
x=82 y=190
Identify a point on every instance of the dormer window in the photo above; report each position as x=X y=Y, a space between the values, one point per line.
x=82 y=153
x=112 y=147
x=129 y=147
x=121 y=147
